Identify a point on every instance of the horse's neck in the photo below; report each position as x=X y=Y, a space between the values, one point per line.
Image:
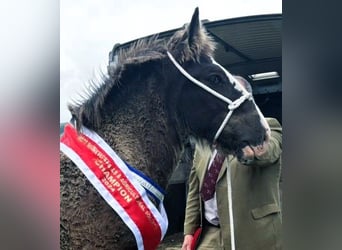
x=143 y=134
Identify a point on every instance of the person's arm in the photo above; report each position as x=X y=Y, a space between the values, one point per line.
x=192 y=211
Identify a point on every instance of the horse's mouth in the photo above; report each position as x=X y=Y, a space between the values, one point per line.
x=244 y=151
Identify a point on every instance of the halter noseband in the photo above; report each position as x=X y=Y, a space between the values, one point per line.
x=232 y=105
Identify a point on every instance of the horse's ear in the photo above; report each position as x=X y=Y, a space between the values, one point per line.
x=192 y=41
x=194 y=28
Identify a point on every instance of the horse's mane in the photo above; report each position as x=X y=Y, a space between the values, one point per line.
x=88 y=111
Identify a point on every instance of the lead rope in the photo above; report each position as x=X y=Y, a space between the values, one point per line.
x=231 y=107
x=230 y=207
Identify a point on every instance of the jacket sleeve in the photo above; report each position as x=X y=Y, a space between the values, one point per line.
x=192 y=211
x=275 y=145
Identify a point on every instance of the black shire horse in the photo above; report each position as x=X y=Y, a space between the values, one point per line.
x=157 y=95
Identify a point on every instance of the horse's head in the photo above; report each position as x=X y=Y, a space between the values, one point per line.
x=181 y=77
x=214 y=104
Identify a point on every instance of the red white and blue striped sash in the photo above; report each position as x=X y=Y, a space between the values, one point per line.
x=122 y=186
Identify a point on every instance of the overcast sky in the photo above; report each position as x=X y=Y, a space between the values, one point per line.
x=90 y=28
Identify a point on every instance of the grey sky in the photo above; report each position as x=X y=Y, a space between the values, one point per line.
x=90 y=28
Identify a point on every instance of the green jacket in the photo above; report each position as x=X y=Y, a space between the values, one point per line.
x=256 y=196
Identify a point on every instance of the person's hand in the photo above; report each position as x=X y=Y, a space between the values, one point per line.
x=187 y=242
x=251 y=152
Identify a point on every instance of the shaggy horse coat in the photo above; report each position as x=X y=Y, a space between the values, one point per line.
x=146 y=110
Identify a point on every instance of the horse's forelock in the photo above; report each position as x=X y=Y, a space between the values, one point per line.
x=202 y=45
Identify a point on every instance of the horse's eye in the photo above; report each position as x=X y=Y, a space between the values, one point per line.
x=215 y=79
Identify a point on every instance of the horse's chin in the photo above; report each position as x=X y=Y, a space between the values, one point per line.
x=245 y=155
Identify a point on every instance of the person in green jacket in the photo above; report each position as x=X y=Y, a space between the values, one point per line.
x=255 y=199
x=255 y=196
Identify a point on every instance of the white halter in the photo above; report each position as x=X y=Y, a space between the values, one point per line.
x=232 y=105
